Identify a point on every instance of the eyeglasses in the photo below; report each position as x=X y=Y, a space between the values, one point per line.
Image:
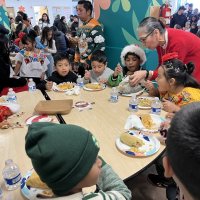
x=143 y=39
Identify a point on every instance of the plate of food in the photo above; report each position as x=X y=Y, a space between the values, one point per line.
x=63 y=87
x=32 y=187
x=137 y=145
x=94 y=86
x=145 y=102
x=131 y=94
x=144 y=122
x=38 y=118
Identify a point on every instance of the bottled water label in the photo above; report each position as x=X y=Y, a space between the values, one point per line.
x=32 y=88
x=133 y=107
x=12 y=98
x=80 y=84
x=14 y=180
x=156 y=110
x=114 y=98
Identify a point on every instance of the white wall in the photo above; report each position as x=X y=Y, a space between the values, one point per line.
x=28 y=4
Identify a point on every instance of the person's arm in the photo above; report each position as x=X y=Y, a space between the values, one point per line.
x=114 y=81
x=53 y=49
x=172 y=22
x=41 y=85
x=110 y=185
x=3 y=30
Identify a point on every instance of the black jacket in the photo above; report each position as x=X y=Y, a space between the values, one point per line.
x=178 y=19
x=62 y=27
x=56 y=78
x=61 y=42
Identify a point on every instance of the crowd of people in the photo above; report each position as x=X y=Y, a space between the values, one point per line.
x=46 y=54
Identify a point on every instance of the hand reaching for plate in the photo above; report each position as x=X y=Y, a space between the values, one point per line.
x=87 y=75
x=49 y=85
x=102 y=81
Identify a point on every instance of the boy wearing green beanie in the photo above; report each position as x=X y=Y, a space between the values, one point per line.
x=66 y=158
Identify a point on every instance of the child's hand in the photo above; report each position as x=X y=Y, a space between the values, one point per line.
x=150 y=87
x=169 y=106
x=118 y=70
x=87 y=75
x=49 y=85
x=102 y=81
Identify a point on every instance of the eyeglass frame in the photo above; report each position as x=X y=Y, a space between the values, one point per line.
x=143 y=39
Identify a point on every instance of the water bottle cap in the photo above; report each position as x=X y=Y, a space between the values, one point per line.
x=156 y=98
x=133 y=96
x=30 y=79
x=79 y=76
x=9 y=161
x=10 y=89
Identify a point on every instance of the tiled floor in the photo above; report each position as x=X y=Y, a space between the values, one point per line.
x=142 y=190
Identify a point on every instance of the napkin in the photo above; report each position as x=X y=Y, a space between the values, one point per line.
x=133 y=121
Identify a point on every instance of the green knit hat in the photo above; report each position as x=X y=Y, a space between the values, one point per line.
x=61 y=154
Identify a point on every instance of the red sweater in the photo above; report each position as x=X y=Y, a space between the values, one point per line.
x=187 y=45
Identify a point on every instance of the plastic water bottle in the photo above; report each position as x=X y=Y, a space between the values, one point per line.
x=11 y=175
x=133 y=104
x=156 y=106
x=31 y=85
x=114 y=95
x=79 y=81
x=11 y=96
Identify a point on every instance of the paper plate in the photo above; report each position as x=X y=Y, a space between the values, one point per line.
x=135 y=122
x=29 y=192
x=57 y=89
x=150 y=99
x=131 y=94
x=38 y=118
x=151 y=146
x=103 y=86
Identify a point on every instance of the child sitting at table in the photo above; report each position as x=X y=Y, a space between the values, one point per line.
x=132 y=57
x=176 y=86
x=183 y=151
x=31 y=62
x=67 y=165
x=100 y=72
x=62 y=74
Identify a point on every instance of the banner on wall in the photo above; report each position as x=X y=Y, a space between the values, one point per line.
x=4 y=20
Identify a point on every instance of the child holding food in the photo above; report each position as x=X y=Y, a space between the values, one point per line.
x=132 y=58
x=65 y=165
x=63 y=73
x=100 y=72
x=176 y=85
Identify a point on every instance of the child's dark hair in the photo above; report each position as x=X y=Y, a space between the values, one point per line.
x=59 y=56
x=87 y=5
x=183 y=149
x=48 y=20
x=44 y=37
x=99 y=56
x=30 y=37
x=180 y=72
x=131 y=54
x=37 y=29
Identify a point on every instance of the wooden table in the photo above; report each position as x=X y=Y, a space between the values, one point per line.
x=12 y=141
x=106 y=121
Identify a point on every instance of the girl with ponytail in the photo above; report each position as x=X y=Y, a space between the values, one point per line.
x=176 y=86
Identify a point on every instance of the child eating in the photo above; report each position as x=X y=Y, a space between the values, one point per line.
x=176 y=86
x=61 y=75
x=67 y=165
x=100 y=72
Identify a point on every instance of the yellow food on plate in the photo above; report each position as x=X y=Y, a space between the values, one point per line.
x=131 y=140
x=65 y=86
x=94 y=86
x=2 y=100
x=145 y=102
x=35 y=182
x=147 y=121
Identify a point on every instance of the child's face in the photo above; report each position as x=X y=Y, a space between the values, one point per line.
x=132 y=63
x=92 y=176
x=163 y=84
x=29 y=46
x=63 y=67
x=98 y=67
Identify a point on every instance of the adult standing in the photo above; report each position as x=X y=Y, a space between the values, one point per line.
x=74 y=26
x=179 y=18
x=90 y=35
x=154 y=35
x=62 y=25
x=44 y=21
